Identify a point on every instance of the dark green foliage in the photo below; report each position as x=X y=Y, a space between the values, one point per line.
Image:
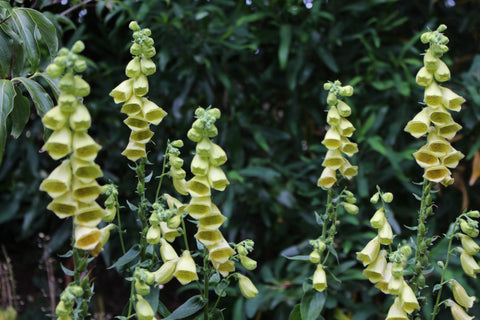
x=263 y=64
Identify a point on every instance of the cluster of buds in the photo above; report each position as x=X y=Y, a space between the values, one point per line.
x=434 y=120
x=65 y=309
x=336 y=139
x=469 y=247
x=247 y=288
x=387 y=276
x=141 y=111
x=164 y=223
x=73 y=185
x=143 y=279
x=319 y=276
x=175 y=163
x=207 y=174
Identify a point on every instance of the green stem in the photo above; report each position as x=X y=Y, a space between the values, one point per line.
x=442 y=279
x=142 y=208
x=329 y=211
x=206 y=276
x=161 y=176
x=120 y=232
x=421 y=257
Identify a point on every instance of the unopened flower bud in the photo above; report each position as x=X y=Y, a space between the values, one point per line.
x=215 y=112
x=346 y=91
x=141 y=287
x=54 y=71
x=248 y=263
x=387 y=197
x=242 y=251
x=143 y=308
x=78 y=47
x=327 y=86
x=174 y=221
x=468 y=228
x=331 y=99
x=314 y=256
x=79 y=65
x=136 y=49
x=247 y=288
x=426 y=36
x=473 y=214
x=133 y=25
x=374 y=199
x=350 y=208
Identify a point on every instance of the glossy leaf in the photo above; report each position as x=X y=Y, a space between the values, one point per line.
x=41 y=100
x=190 y=307
x=20 y=113
x=7 y=95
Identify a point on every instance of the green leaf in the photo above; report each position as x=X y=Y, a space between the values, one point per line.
x=298 y=258
x=126 y=258
x=328 y=59
x=264 y=173
x=284 y=47
x=20 y=113
x=312 y=304
x=295 y=314
x=32 y=27
x=5 y=55
x=40 y=98
x=7 y=95
x=51 y=82
x=250 y=18
x=67 y=271
x=190 y=307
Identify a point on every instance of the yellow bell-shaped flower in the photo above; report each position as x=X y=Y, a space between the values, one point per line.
x=86 y=238
x=423 y=77
x=84 y=147
x=168 y=233
x=85 y=171
x=123 y=91
x=134 y=151
x=132 y=106
x=440 y=116
x=143 y=308
x=199 y=165
x=59 y=144
x=460 y=295
x=199 y=207
x=140 y=85
x=224 y=268
x=208 y=237
x=457 y=312
x=382 y=285
x=442 y=73
x=88 y=214
x=64 y=205
x=319 y=279
x=430 y=61
x=346 y=128
x=419 y=125
x=136 y=122
x=181 y=186
x=167 y=252
x=332 y=139
x=425 y=158
x=217 y=155
x=141 y=136
x=378 y=219
x=58 y=182
x=154 y=234
x=433 y=94
x=327 y=179
x=468 y=244
x=186 y=271
x=211 y=222
x=217 y=178
x=221 y=251
x=54 y=118
x=199 y=186
x=385 y=234
x=408 y=301
x=370 y=252
x=153 y=113
x=86 y=192
x=333 y=159
x=347 y=170
x=174 y=203
x=204 y=147
x=133 y=68
x=348 y=147
x=451 y=100
x=452 y=158
x=449 y=130
x=396 y=311
x=375 y=270
x=333 y=117
x=343 y=109
x=468 y=263
x=165 y=273
x=80 y=119
x=436 y=173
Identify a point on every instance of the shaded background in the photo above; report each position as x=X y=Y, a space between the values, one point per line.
x=263 y=63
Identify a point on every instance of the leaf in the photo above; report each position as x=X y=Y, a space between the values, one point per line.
x=7 y=95
x=20 y=113
x=298 y=258
x=132 y=206
x=40 y=98
x=264 y=173
x=126 y=258
x=51 y=82
x=250 y=18
x=28 y=22
x=295 y=314
x=475 y=169
x=312 y=304
x=68 y=272
x=5 y=55
x=190 y=307
x=327 y=59
x=284 y=47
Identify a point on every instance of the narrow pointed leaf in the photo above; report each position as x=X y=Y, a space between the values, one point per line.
x=40 y=98
x=7 y=94
x=20 y=113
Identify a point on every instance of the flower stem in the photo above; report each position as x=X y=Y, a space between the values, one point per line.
x=421 y=254
x=142 y=207
x=161 y=176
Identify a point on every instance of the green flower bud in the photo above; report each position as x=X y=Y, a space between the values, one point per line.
x=141 y=287
x=212 y=131
x=174 y=221
x=148 y=66
x=79 y=65
x=63 y=52
x=148 y=52
x=468 y=229
x=67 y=83
x=473 y=214
x=350 y=208
x=247 y=288
x=346 y=91
x=148 y=42
x=147 y=32
x=387 y=197
x=110 y=214
x=315 y=257
x=55 y=71
x=331 y=99
x=327 y=85
x=321 y=246
x=82 y=88
x=215 y=112
x=242 y=251
x=351 y=199
x=133 y=25
x=374 y=199
x=133 y=68
x=441 y=28
x=136 y=49
x=143 y=308
x=425 y=37
x=78 y=47
x=177 y=143
x=248 y=263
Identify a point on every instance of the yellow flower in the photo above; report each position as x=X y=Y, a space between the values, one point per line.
x=460 y=295
x=319 y=279
x=333 y=117
x=217 y=178
x=85 y=171
x=370 y=252
x=433 y=94
x=143 y=308
x=58 y=182
x=153 y=235
x=221 y=251
x=86 y=238
x=395 y=285
x=208 y=237
x=153 y=113
x=186 y=270
x=168 y=233
x=88 y=214
x=165 y=273
x=136 y=122
x=375 y=270
x=423 y=77
x=396 y=311
x=248 y=263
x=442 y=73
x=199 y=186
x=247 y=288
x=132 y=106
x=451 y=100
x=333 y=159
x=54 y=119
x=59 y=144
x=440 y=116
x=84 y=147
x=382 y=285
x=419 y=125
x=327 y=179
x=469 y=265
x=426 y=158
x=80 y=119
x=199 y=165
x=141 y=136
x=436 y=173
x=199 y=207
x=385 y=234
x=457 y=312
x=134 y=151
x=123 y=91
x=64 y=205
x=378 y=219
x=408 y=300
x=332 y=139
x=167 y=252
x=217 y=155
